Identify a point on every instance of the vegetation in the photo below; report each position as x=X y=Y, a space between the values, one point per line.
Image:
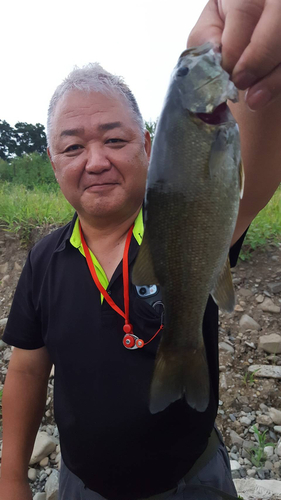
x=266 y=228
x=258 y=456
x=24 y=138
x=30 y=196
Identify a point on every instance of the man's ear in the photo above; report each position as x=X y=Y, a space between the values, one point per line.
x=50 y=158
x=147 y=143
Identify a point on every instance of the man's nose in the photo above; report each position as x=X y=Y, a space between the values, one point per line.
x=97 y=160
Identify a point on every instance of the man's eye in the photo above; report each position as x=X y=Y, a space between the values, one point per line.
x=114 y=141
x=73 y=147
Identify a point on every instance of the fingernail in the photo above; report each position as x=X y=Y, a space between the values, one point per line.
x=244 y=79
x=258 y=99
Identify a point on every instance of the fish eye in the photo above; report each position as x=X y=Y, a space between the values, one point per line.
x=182 y=71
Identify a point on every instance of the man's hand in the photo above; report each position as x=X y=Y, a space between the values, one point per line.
x=15 y=490
x=249 y=32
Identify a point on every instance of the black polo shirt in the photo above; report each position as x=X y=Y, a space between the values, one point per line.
x=109 y=439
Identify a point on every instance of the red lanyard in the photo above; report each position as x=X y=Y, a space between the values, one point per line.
x=130 y=340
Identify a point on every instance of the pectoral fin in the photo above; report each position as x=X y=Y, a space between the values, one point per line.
x=223 y=291
x=217 y=154
x=143 y=271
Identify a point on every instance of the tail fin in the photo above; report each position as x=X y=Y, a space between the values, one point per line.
x=177 y=374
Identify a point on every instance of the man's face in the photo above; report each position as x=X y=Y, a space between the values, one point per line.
x=99 y=155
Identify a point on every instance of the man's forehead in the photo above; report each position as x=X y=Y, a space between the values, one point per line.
x=77 y=102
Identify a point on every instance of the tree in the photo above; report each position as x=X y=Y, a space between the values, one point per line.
x=30 y=138
x=7 y=140
x=151 y=127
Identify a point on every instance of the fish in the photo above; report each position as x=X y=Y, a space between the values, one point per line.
x=193 y=190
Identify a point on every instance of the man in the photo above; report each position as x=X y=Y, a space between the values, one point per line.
x=112 y=447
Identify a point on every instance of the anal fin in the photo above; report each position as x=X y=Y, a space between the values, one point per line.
x=223 y=291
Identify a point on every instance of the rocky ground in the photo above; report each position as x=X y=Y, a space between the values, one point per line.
x=249 y=414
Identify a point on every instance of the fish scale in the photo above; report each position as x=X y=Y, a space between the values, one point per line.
x=191 y=207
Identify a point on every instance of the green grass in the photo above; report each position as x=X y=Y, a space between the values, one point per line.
x=265 y=228
x=22 y=209
x=258 y=456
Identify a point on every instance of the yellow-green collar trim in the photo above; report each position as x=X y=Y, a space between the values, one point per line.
x=75 y=241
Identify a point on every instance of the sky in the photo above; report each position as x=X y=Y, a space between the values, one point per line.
x=43 y=40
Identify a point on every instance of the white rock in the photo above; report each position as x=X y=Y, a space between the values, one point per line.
x=224 y=346
x=264 y=420
x=234 y=465
x=277 y=428
x=245 y=421
x=40 y=496
x=270 y=343
x=268 y=450
x=257 y=488
x=43 y=446
x=278 y=449
x=235 y=438
x=32 y=474
x=247 y=322
x=265 y=371
x=268 y=306
x=251 y=472
x=260 y=299
x=52 y=486
x=275 y=415
x=44 y=462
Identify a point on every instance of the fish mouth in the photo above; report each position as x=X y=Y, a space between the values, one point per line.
x=221 y=114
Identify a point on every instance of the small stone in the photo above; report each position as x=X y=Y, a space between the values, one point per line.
x=264 y=420
x=44 y=462
x=238 y=308
x=3 y=345
x=278 y=449
x=243 y=472
x=224 y=346
x=235 y=438
x=266 y=371
x=261 y=473
x=234 y=465
x=245 y=421
x=274 y=287
x=52 y=486
x=4 y=268
x=245 y=292
x=277 y=428
x=263 y=407
x=233 y=456
x=43 y=476
x=53 y=456
x=232 y=417
x=247 y=322
x=32 y=474
x=275 y=415
x=260 y=299
x=235 y=474
x=268 y=465
x=250 y=344
x=40 y=496
x=17 y=267
x=270 y=343
x=43 y=446
x=268 y=450
x=3 y=322
x=251 y=472
x=269 y=306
